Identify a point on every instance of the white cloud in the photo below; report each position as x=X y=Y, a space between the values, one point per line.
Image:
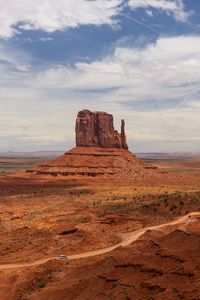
x=149 y=12
x=163 y=76
x=173 y=7
x=51 y=15
x=167 y=69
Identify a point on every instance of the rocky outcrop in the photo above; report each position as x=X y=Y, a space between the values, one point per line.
x=96 y=129
x=100 y=151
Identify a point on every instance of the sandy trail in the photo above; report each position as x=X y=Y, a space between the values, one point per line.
x=127 y=239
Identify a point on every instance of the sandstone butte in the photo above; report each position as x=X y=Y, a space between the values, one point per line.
x=100 y=151
x=97 y=129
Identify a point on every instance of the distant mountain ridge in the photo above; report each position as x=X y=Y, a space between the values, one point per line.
x=31 y=154
x=59 y=152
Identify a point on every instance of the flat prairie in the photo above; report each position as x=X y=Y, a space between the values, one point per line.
x=42 y=217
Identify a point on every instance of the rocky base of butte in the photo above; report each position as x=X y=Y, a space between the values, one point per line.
x=100 y=150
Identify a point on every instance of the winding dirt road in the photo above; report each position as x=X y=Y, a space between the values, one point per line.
x=127 y=239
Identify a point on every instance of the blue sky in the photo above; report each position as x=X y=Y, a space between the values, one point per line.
x=136 y=59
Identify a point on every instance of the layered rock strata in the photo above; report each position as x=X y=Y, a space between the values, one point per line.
x=92 y=161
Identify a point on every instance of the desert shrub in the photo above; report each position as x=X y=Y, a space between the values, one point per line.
x=173 y=207
x=198 y=193
x=41 y=284
x=146 y=206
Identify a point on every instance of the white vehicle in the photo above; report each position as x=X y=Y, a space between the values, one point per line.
x=189 y=222
x=63 y=257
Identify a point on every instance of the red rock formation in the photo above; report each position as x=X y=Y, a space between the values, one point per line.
x=100 y=151
x=97 y=129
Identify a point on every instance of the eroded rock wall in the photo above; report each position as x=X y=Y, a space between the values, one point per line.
x=97 y=129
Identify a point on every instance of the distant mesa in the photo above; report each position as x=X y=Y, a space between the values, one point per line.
x=100 y=151
x=96 y=129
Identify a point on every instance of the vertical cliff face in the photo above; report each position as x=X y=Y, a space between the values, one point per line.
x=97 y=129
x=85 y=128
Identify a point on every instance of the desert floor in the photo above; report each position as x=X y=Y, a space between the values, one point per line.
x=42 y=217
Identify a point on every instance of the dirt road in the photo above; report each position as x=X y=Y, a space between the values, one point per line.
x=127 y=239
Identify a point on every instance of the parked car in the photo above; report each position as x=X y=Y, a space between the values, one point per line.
x=189 y=222
x=63 y=257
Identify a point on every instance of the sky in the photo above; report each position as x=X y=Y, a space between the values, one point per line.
x=136 y=59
